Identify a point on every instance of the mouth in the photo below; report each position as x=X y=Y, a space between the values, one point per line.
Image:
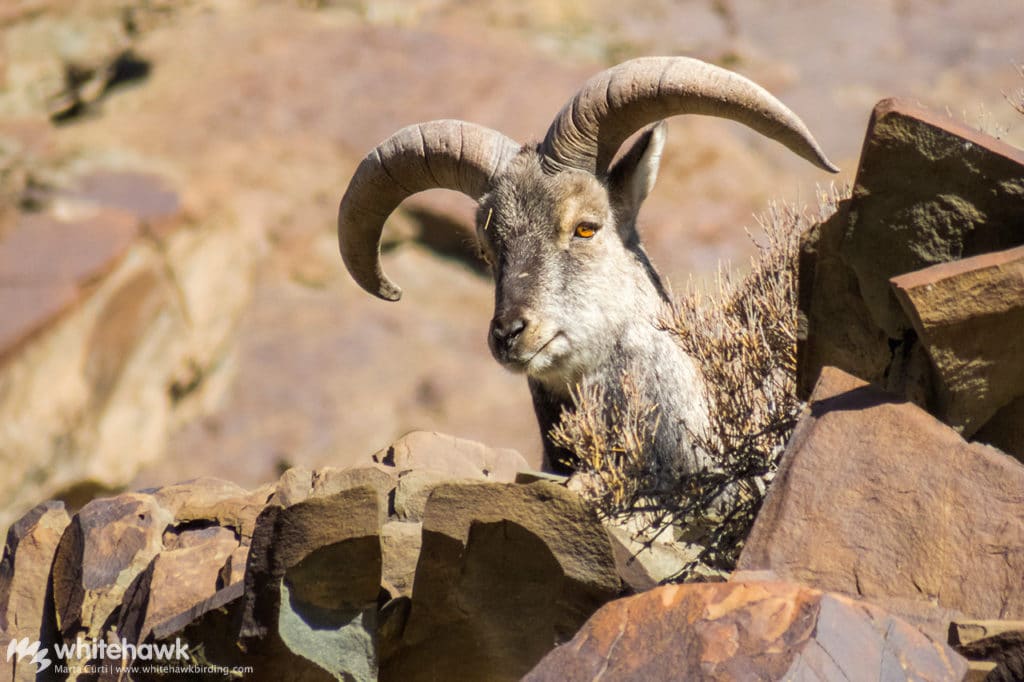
x=538 y=361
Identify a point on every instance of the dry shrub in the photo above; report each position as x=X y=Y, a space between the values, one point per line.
x=743 y=333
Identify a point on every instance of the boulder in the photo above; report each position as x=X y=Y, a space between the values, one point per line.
x=744 y=631
x=186 y=573
x=309 y=611
x=109 y=542
x=834 y=325
x=961 y=312
x=140 y=565
x=876 y=498
x=505 y=572
x=25 y=570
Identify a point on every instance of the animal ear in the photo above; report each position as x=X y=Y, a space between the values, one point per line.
x=632 y=177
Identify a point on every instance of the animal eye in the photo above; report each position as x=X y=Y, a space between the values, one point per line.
x=586 y=230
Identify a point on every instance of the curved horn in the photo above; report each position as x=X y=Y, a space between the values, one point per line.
x=617 y=102
x=438 y=154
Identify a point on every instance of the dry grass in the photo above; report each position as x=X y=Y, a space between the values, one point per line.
x=1016 y=97
x=743 y=332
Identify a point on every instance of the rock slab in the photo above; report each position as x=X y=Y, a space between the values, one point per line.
x=964 y=313
x=876 y=498
x=506 y=571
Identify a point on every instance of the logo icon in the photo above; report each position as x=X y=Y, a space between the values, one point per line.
x=22 y=648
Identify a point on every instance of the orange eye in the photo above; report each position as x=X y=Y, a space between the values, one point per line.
x=586 y=230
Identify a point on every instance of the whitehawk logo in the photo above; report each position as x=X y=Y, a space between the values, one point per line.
x=22 y=648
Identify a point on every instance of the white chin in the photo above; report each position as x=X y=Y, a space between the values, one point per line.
x=549 y=365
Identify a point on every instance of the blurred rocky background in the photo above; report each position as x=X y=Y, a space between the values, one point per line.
x=171 y=300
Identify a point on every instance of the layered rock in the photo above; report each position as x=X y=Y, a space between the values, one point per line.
x=929 y=191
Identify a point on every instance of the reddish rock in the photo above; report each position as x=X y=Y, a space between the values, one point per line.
x=140 y=563
x=746 y=631
x=185 y=574
x=45 y=262
x=835 y=326
x=876 y=498
x=963 y=313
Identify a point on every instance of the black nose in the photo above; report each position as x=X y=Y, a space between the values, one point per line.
x=506 y=331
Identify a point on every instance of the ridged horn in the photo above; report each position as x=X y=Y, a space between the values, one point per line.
x=617 y=102
x=438 y=154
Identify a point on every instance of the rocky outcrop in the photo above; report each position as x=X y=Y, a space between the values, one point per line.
x=879 y=296
x=876 y=498
x=743 y=631
x=319 y=576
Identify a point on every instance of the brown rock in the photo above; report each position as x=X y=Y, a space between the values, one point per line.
x=108 y=543
x=876 y=498
x=505 y=572
x=455 y=457
x=311 y=586
x=25 y=569
x=962 y=313
x=994 y=649
x=745 y=631
x=400 y=547
x=1005 y=430
x=210 y=500
x=928 y=190
x=298 y=483
x=182 y=579
x=835 y=327
x=414 y=488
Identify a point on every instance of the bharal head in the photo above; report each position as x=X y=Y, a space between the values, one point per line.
x=557 y=221
x=569 y=273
